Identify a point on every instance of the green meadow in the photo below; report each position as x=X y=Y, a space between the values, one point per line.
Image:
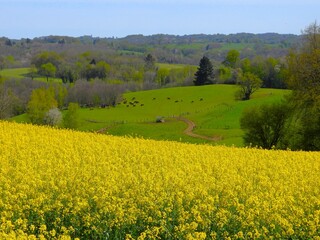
x=212 y=108
x=20 y=73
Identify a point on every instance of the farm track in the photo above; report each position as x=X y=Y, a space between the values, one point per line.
x=189 y=130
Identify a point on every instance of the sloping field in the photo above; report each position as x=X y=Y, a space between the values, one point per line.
x=212 y=108
x=59 y=184
x=20 y=73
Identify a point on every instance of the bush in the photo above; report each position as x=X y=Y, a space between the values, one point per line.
x=71 y=118
x=53 y=117
x=265 y=126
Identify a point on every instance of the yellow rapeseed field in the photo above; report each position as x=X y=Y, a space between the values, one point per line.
x=60 y=184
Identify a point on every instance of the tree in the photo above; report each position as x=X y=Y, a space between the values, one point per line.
x=7 y=100
x=48 y=70
x=32 y=72
x=304 y=80
x=42 y=100
x=204 y=74
x=103 y=69
x=232 y=58
x=265 y=126
x=66 y=73
x=97 y=70
x=53 y=117
x=248 y=83
x=47 y=57
x=149 y=63
x=71 y=118
x=162 y=76
x=6 y=61
x=311 y=37
x=245 y=65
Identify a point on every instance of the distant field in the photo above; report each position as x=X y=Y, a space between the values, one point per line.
x=23 y=73
x=171 y=66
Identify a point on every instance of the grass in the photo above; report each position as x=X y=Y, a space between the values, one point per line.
x=20 y=73
x=171 y=66
x=213 y=108
x=217 y=114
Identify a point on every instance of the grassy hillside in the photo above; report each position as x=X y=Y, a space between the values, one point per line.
x=59 y=184
x=23 y=73
x=212 y=108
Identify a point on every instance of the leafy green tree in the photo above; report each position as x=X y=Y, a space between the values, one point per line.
x=32 y=72
x=304 y=80
x=6 y=61
x=47 y=57
x=266 y=126
x=98 y=70
x=232 y=58
x=204 y=74
x=48 y=70
x=67 y=73
x=248 y=83
x=60 y=94
x=71 y=119
x=245 y=65
x=103 y=69
x=307 y=135
x=162 y=76
x=41 y=101
x=224 y=73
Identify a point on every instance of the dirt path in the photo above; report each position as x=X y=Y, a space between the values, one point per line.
x=102 y=130
x=189 y=130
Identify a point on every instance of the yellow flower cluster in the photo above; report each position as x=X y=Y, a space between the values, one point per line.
x=60 y=184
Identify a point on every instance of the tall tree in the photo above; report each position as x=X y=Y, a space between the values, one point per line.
x=304 y=80
x=149 y=63
x=204 y=74
x=71 y=118
x=248 y=83
x=48 y=70
x=42 y=100
x=232 y=58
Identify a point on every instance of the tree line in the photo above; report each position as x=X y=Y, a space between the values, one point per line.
x=295 y=122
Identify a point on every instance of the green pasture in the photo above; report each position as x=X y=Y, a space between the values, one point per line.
x=212 y=108
x=20 y=73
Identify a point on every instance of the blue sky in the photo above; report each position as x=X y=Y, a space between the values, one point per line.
x=119 y=18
